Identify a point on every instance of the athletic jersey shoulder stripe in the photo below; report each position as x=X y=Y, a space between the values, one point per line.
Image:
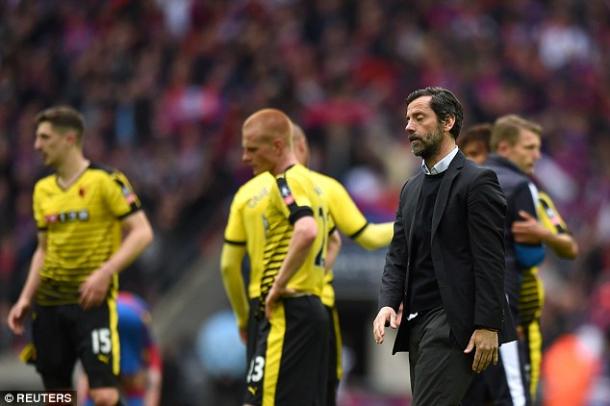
x=296 y=211
x=102 y=167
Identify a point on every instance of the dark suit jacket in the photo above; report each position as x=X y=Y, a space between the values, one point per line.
x=467 y=252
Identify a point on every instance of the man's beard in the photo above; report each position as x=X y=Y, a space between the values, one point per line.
x=429 y=145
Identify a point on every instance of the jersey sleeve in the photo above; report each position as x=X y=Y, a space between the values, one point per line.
x=235 y=231
x=39 y=218
x=291 y=198
x=549 y=215
x=331 y=224
x=120 y=197
x=346 y=215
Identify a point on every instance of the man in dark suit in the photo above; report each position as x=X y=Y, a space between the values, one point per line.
x=446 y=260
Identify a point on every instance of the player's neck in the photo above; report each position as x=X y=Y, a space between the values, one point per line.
x=284 y=164
x=71 y=169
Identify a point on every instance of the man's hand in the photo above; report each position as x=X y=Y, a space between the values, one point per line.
x=399 y=314
x=486 y=343
x=17 y=316
x=386 y=314
x=93 y=291
x=528 y=230
x=273 y=297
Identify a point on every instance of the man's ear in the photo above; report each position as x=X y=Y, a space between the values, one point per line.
x=71 y=137
x=448 y=123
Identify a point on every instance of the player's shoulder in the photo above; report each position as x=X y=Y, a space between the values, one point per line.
x=102 y=170
x=253 y=187
x=325 y=180
x=544 y=197
x=47 y=182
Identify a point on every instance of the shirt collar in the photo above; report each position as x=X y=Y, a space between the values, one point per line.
x=442 y=165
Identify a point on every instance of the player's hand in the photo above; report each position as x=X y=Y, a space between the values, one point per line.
x=243 y=334
x=17 y=315
x=486 y=343
x=528 y=230
x=93 y=291
x=385 y=315
x=273 y=297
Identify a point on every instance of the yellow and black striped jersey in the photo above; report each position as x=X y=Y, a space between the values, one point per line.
x=295 y=194
x=247 y=224
x=531 y=297
x=346 y=217
x=83 y=228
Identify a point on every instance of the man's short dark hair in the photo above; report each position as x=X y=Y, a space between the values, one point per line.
x=63 y=118
x=444 y=104
x=477 y=133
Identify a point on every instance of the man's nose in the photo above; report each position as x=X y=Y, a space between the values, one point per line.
x=409 y=128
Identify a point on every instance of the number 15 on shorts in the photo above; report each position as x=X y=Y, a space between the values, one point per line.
x=100 y=341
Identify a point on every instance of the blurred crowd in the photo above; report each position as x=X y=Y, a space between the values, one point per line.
x=165 y=85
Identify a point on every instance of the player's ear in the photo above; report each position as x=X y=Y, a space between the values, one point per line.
x=71 y=137
x=278 y=145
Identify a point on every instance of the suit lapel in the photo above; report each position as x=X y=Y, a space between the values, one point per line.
x=444 y=189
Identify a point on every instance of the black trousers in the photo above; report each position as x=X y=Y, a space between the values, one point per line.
x=440 y=371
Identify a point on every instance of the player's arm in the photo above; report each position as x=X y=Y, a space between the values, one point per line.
x=550 y=229
x=530 y=231
x=527 y=253
x=20 y=310
x=233 y=252
x=334 y=246
x=303 y=237
x=138 y=235
x=230 y=269
x=351 y=222
x=564 y=245
x=375 y=235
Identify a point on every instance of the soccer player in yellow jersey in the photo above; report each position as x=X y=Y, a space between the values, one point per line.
x=290 y=353
x=551 y=230
x=81 y=212
x=245 y=232
x=351 y=222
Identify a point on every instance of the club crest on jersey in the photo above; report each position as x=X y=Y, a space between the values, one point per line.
x=286 y=194
x=128 y=194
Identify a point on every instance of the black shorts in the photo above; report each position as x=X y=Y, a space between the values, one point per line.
x=252 y=328
x=289 y=365
x=335 y=368
x=62 y=334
